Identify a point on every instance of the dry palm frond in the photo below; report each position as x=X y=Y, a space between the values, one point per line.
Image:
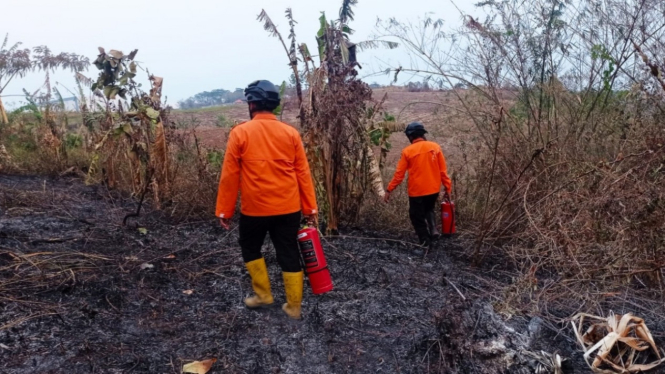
x=391 y=126
x=293 y=57
x=84 y=80
x=376 y=44
x=346 y=12
x=156 y=91
x=375 y=174
x=617 y=341
x=271 y=28
x=268 y=25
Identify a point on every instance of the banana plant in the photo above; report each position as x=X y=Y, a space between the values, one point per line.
x=332 y=114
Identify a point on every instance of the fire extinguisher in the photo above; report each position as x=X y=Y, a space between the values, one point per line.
x=448 y=217
x=314 y=261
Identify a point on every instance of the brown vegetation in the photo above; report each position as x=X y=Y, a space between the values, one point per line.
x=563 y=146
x=338 y=117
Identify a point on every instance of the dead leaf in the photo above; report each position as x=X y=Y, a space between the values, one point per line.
x=153 y=114
x=199 y=367
x=603 y=347
x=147 y=266
x=170 y=257
x=643 y=333
x=188 y=292
x=636 y=368
x=143 y=230
x=635 y=343
x=627 y=333
x=116 y=54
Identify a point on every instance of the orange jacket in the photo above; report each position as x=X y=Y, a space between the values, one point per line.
x=266 y=160
x=427 y=169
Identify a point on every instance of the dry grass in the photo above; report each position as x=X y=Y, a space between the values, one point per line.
x=37 y=271
x=580 y=220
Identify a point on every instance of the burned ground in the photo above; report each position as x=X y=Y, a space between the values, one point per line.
x=80 y=293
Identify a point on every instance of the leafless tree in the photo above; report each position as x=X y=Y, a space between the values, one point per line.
x=16 y=62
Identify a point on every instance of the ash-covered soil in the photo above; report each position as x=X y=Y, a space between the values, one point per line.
x=80 y=293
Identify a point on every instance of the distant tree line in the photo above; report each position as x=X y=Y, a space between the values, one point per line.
x=222 y=96
x=212 y=98
x=418 y=87
x=426 y=86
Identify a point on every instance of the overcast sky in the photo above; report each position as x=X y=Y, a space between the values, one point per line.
x=198 y=45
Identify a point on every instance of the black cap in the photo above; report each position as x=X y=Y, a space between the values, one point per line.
x=263 y=91
x=415 y=129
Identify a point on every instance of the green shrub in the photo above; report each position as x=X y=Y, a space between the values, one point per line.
x=73 y=141
x=222 y=121
x=215 y=159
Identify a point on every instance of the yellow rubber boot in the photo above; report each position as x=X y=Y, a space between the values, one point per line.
x=293 y=283
x=260 y=283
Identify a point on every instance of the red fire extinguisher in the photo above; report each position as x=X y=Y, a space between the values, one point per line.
x=314 y=261
x=448 y=217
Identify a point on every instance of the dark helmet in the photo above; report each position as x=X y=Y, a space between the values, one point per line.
x=415 y=129
x=264 y=93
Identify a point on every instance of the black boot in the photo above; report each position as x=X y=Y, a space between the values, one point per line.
x=431 y=225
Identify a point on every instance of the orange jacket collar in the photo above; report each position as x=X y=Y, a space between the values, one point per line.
x=418 y=140
x=264 y=115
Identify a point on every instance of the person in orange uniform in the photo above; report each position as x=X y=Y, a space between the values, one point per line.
x=265 y=160
x=427 y=170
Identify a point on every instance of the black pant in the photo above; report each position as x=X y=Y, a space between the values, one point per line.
x=421 y=208
x=283 y=231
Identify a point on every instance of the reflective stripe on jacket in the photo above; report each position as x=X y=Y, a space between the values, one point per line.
x=427 y=169
x=265 y=160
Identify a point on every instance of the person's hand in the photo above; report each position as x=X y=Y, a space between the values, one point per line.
x=312 y=219
x=386 y=198
x=446 y=196
x=225 y=223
